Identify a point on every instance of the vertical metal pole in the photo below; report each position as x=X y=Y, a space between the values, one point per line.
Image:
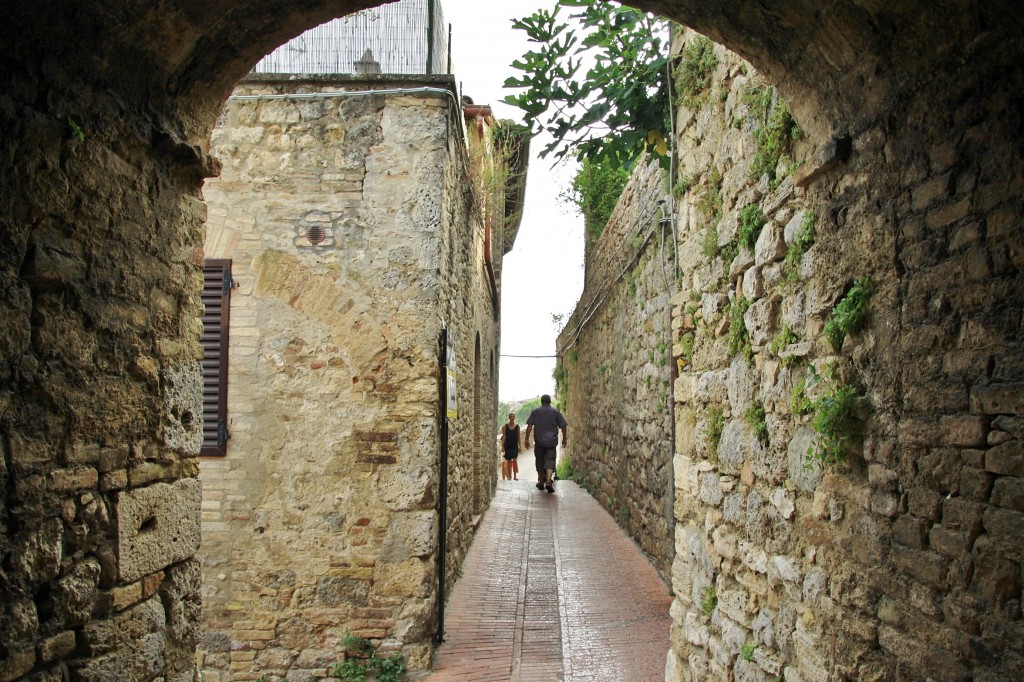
x=442 y=497
x=430 y=37
x=449 y=65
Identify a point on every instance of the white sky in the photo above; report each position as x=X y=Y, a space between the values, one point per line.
x=546 y=264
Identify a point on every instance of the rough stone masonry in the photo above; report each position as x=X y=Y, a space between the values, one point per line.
x=106 y=112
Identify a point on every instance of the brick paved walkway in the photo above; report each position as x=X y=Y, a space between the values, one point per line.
x=552 y=589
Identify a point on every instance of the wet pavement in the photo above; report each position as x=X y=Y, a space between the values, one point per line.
x=552 y=589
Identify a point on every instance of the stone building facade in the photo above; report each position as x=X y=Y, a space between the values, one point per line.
x=847 y=496
x=912 y=118
x=355 y=222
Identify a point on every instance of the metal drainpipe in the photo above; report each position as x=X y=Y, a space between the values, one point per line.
x=442 y=501
x=430 y=37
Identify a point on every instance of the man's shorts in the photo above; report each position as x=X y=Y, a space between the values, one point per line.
x=545 y=456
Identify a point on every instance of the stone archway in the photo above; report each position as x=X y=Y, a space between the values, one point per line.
x=106 y=112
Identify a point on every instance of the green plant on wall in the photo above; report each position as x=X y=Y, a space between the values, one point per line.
x=751 y=221
x=693 y=72
x=849 y=314
x=382 y=668
x=710 y=201
x=738 y=337
x=747 y=651
x=782 y=339
x=775 y=133
x=686 y=346
x=834 y=419
x=799 y=403
x=594 y=191
x=708 y=600
x=801 y=244
x=755 y=417
x=713 y=428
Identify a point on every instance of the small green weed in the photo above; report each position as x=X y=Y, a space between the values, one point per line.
x=747 y=651
x=710 y=201
x=709 y=244
x=564 y=470
x=801 y=244
x=849 y=314
x=686 y=343
x=785 y=337
x=775 y=134
x=709 y=600
x=799 y=403
x=693 y=73
x=76 y=130
x=738 y=337
x=755 y=417
x=751 y=221
x=833 y=419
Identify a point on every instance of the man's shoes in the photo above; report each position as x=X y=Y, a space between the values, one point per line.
x=540 y=486
x=550 y=487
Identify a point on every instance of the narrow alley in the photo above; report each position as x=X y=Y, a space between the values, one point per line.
x=553 y=590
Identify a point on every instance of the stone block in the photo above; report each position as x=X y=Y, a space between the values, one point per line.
x=928 y=567
x=1006 y=459
x=38 y=551
x=771 y=245
x=949 y=543
x=910 y=531
x=156 y=526
x=67 y=480
x=1008 y=493
x=760 y=320
x=1011 y=425
x=805 y=479
x=1006 y=529
x=58 y=646
x=961 y=514
x=975 y=484
x=17 y=663
x=964 y=431
x=998 y=399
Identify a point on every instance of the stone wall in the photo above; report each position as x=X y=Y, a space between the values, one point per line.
x=99 y=381
x=900 y=560
x=614 y=358
x=322 y=520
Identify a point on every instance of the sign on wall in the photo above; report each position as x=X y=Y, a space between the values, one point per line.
x=453 y=406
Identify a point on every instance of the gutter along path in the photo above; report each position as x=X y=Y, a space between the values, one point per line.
x=553 y=589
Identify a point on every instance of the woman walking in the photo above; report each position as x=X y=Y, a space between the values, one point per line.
x=510 y=449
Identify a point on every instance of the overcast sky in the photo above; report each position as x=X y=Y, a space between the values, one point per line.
x=547 y=261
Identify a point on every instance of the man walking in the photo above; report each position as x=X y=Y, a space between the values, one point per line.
x=548 y=422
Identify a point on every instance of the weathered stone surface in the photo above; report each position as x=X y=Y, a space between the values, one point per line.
x=156 y=527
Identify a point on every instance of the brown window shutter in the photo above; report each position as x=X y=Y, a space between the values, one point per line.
x=217 y=285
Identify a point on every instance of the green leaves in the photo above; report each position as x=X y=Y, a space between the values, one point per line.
x=614 y=110
x=849 y=314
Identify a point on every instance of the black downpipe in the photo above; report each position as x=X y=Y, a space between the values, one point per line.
x=430 y=37
x=442 y=498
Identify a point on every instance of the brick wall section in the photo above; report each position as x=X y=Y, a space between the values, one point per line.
x=322 y=519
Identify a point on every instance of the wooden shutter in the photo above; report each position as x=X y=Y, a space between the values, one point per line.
x=216 y=300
